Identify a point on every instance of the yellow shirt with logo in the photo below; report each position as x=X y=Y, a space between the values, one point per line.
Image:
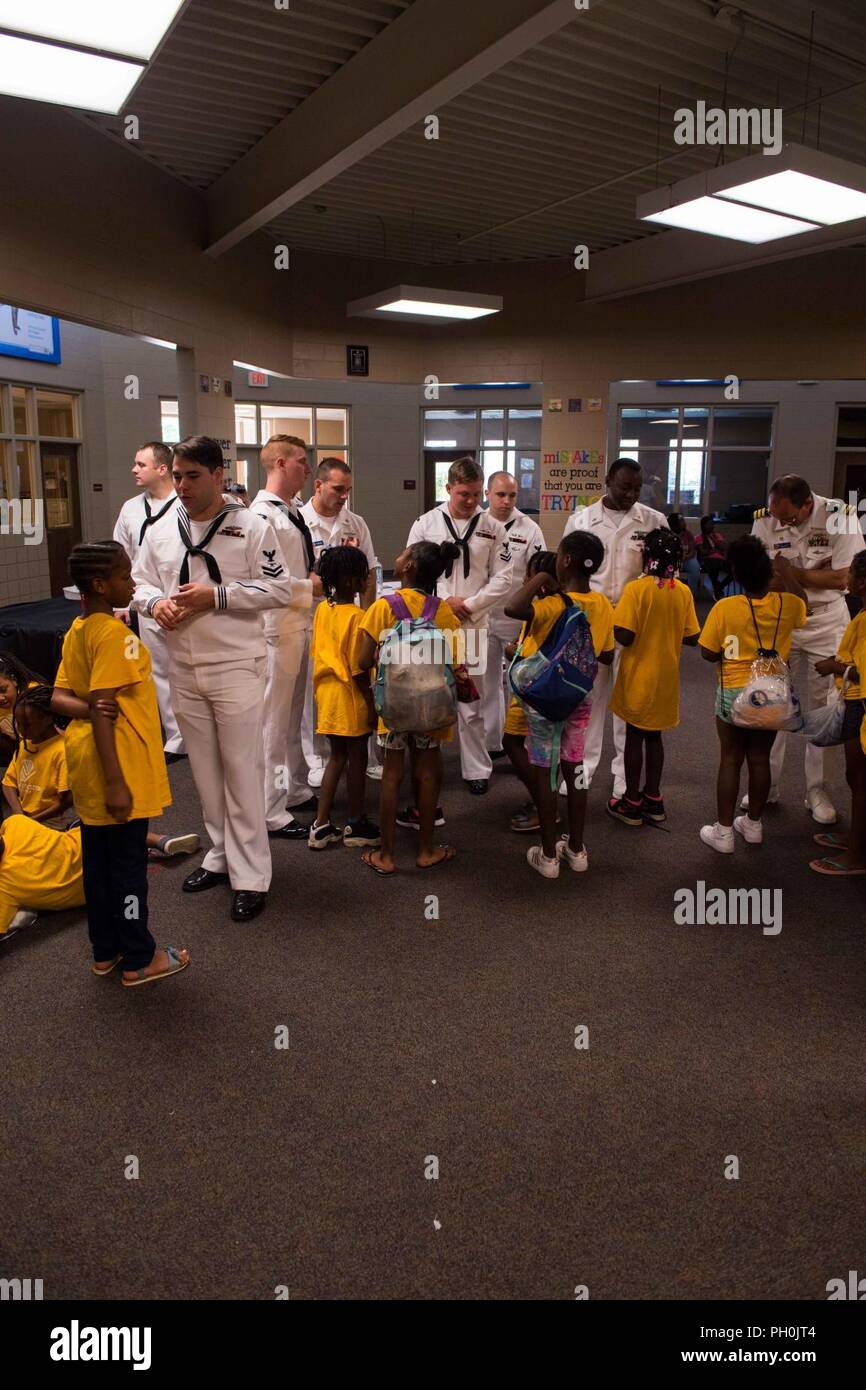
x=647 y=689
x=379 y=617
x=38 y=774
x=730 y=629
x=100 y=653
x=40 y=868
x=547 y=611
x=852 y=650
x=340 y=706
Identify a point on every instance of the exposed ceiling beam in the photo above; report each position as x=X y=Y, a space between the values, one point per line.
x=429 y=55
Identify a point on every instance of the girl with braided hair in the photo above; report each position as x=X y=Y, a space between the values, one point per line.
x=14 y=677
x=36 y=782
x=653 y=619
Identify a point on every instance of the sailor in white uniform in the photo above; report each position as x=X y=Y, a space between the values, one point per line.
x=206 y=578
x=287 y=633
x=621 y=523
x=153 y=506
x=476 y=582
x=818 y=537
x=332 y=523
x=524 y=539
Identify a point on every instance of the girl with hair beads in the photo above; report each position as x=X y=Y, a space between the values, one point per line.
x=516 y=728
x=36 y=783
x=343 y=698
x=14 y=678
x=419 y=567
x=579 y=556
x=116 y=767
x=654 y=618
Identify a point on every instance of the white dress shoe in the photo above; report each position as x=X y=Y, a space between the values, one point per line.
x=822 y=808
x=718 y=837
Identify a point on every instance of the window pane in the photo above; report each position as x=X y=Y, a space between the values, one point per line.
x=493 y=426
x=441 y=480
x=5 y=419
x=851 y=427
x=690 y=501
x=524 y=428
x=287 y=419
x=19 y=410
x=526 y=470
x=24 y=471
x=850 y=478
x=169 y=418
x=7 y=486
x=497 y=461
x=332 y=424
x=651 y=427
x=55 y=413
x=696 y=424
x=738 y=484
x=57 y=481
x=450 y=429
x=742 y=426
x=330 y=454
x=246 y=429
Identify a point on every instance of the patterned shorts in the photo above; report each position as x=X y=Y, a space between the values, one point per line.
x=725 y=697
x=400 y=742
x=541 y=739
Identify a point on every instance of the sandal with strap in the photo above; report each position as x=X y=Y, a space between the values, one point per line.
x=834 y=868
x=176 y=964
x=106 y=969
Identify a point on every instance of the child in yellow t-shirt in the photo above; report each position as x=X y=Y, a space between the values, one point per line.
x=850 y=853
x=116 y=766
x=344 y=701
x=40 y=871
x=734 y=630
x=419 y=567
x=14 y=678
x=579 y=556
x=653 y=619
x=36 y=781
x=525 y=820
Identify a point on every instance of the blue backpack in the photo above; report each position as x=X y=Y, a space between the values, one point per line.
x=559 y=676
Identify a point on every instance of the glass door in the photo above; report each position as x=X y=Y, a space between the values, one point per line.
x=62 y=510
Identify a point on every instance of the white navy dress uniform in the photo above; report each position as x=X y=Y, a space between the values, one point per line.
x=217 y=663
x=830 y=537
x=346 y=528
x=524 y=539
x=482 y=575
x=134 y=521
x=287 y=635
x=622 y=535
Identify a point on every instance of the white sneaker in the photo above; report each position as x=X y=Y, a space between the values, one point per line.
x=752 y=831
x=579 y=862
x=772 y=799
x=536 y=857
x=822 y=808
x=25 y=918
x=315 y=778
x=374 y=772
x=718 y=837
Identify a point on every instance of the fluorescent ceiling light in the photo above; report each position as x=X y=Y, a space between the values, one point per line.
x=734 y=220
x=159 y=342
x=65 y=77
x=801 y=195
x=130 y=27
x=416 y=304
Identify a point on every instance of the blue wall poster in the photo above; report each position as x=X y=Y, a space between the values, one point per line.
x=24 y=334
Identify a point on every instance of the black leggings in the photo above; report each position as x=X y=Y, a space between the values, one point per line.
x=114 y=860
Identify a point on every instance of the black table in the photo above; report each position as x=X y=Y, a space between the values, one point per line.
x=34 y=632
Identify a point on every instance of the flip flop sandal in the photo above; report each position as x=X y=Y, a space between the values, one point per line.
x=449 y=854
x=108 y=968
x=830 y=840
x=176 y=966
x=834 y=868
x=367 y=859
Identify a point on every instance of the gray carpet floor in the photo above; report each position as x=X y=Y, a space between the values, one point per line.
x=410 y=1037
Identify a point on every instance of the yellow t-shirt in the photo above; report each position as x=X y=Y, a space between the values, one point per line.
x=852 y=649
x=599 y=614
x=39 y=868
x=647 y=689
x=100 y=653
x=729 y=628
x=7 y=728
x=38 y=774
x=379 y=618
x=340 y=706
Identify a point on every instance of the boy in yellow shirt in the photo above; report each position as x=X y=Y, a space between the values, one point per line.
x=343 y=699
x=579 y=556
x=40 y=871
x=654 y=618
x=36 y=780
x=116 y=768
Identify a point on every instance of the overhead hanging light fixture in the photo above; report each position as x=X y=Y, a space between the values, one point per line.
x=415 y=304
x=756 y=200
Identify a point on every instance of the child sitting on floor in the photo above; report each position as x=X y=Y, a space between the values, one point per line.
x=40 y=871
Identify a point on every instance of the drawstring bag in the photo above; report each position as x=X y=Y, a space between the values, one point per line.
x=768 y=700
x=823 y=726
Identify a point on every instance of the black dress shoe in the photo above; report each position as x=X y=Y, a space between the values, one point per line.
x=248 y=905
x=311 y=804
x=202 y=879
x=293 y=831
x=478 y=787
x=497 y=753
x=175 y=758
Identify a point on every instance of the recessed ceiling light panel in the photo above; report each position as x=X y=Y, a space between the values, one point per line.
x=64 y=76
x=416 y=304
x=130 y=27
x=718 y=218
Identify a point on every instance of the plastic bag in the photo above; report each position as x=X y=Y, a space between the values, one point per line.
x=768 y=701
x=823 y=726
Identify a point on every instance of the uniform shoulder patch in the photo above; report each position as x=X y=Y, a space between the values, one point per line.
x=761 y=511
